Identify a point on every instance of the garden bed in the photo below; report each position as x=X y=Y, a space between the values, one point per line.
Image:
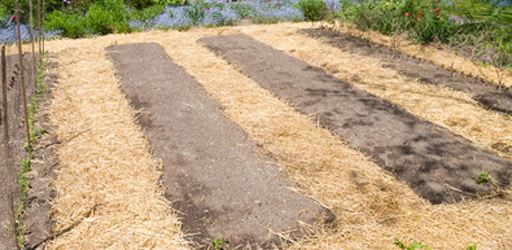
x=37 y=223
x=489 y=95
x=437 y=164
x=213 y=173
x=109 y=190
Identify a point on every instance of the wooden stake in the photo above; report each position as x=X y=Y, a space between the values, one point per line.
x=23 y=91
x=7 y=158
x=42 y=20
x=34 y=71
x=39 y=32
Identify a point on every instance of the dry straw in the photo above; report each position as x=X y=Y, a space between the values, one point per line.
x=372 y=207
x=429 y=53
x=107 y=172
x=454 y=110
x=108 y=184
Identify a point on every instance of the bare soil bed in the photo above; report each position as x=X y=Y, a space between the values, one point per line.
x=490 y=96
x=437 y=164
x=213 y=173
x=36 y=218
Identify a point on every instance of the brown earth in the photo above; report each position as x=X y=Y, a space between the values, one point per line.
x=214 y=175
x=437 y=164
x=36 y=215
x=490 y=96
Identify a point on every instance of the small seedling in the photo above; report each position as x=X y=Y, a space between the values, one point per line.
x=419 y=246
x=482 y=178
x=412 y=246
x=218 y=244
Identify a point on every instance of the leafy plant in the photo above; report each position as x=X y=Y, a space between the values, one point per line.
x=314 y=10
x=482 y=178
x=196 y=12
x=243 y=10
x=218 y=244
x=411 y=246
x=108 y=16
x=70 y=25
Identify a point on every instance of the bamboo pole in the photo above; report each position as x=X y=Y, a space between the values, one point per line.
x=43 y=31
x=39 y=32
x=31 y=18
x=22 y=75
x=7 y=158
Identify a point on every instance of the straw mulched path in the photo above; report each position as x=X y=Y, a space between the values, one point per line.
x=103 y=150
x=108 y=187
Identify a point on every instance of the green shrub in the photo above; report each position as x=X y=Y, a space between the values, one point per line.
x=314 y=10
x=108 y=16
x=3 y=16
x=71 y=25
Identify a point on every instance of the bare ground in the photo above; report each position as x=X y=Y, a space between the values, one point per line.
x=37 y=224
x=490 y=96
x=214 y=174
x=437 y=164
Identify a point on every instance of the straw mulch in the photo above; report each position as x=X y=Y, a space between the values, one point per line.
x=108 y=186
x=105 y=162
x=444 y=58
x=372 y=207
x=454 y=110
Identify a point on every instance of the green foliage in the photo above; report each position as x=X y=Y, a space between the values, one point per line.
x=3 y=16
x=412 y=246
x=243 y=10
x=140 y=4
x=147 y=15
x=420 y=246
x=108 y=16
x=218 y=244
x=481 y=10
x=71 y=25
x=314 y=10
x=482 y=178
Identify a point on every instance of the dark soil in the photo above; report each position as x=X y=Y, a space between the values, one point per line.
x=490 y=96
x=36 y=215
x=214 y=174
x=436 y=164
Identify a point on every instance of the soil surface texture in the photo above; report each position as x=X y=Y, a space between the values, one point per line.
x=36 y=219
x=213 y=173
x=437 y=164
x=490 y=96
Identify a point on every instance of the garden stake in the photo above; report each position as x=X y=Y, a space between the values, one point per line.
x=7 y=159
x=42 y=20
x=39 y=31
x=34 y=76
x=22 y=75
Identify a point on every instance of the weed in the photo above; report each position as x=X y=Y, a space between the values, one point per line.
x=482 y=178
x=218 y=244
x=420 y=246
x=412 y=246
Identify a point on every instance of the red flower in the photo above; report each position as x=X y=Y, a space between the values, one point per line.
x=419 y=19
x=407 y=14
x=13 y=18
x=419 y=13
x=437 y=10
